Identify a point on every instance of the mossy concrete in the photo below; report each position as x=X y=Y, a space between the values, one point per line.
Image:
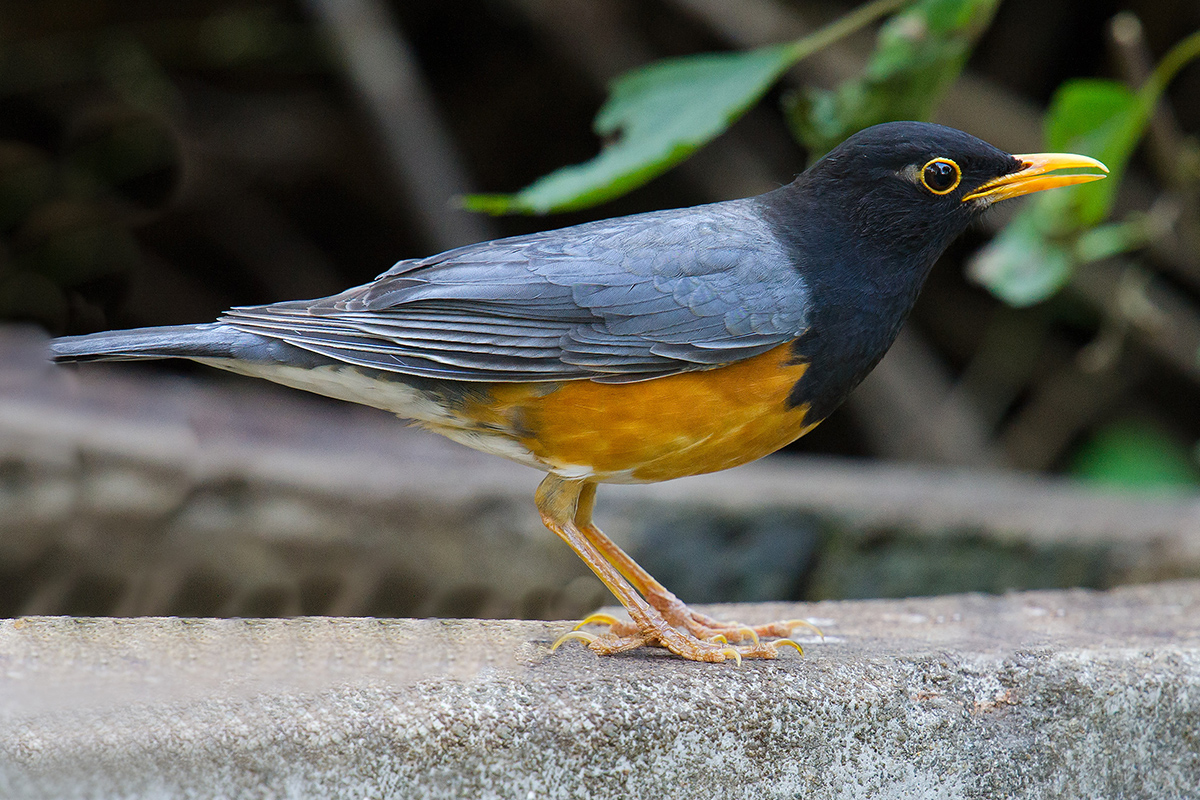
x=1037 y=695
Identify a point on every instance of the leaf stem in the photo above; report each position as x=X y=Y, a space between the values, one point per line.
x=1166 y=70
x=844 y=26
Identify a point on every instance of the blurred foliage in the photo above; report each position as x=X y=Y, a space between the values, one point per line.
x=919 y=54
x=660 y=114
x=1136 y=455
x=1034 y=256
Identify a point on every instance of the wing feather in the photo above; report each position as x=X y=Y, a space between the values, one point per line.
x=618 y=300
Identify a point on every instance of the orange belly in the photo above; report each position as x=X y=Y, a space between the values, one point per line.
x=653 y=430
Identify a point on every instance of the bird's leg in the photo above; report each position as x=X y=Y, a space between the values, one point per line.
x=674 y=610
x=561 y=502
x=566 y=508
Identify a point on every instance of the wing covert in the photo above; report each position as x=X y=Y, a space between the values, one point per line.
x=616 y=300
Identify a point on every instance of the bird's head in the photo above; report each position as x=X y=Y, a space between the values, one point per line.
x=911 y=187
x=864 y=225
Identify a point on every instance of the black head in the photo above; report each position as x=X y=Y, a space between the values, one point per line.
x=906 y=181
x=864 y=225
x=892 y=197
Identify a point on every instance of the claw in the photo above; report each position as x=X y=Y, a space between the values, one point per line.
x=749 y=633
x=586 y=638
x=718 y=639
x=734 y=652
x=597 y=619
x=787 y=643
x=803 y=623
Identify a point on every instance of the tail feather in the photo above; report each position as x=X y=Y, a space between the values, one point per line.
x=211 y=340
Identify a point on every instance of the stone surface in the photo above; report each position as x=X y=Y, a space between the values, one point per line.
x=1037 y=695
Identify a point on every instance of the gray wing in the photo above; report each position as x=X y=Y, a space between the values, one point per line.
x=617 y=300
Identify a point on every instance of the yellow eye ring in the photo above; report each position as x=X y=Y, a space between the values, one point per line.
x=941 y=175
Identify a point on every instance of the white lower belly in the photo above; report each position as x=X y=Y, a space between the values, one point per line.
x=395 y=396
x=345 y=383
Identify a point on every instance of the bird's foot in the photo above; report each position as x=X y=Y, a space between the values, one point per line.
x=688 y=634
x=681 y=643
x=706 y=628
x=658 y=618
x=699 y=625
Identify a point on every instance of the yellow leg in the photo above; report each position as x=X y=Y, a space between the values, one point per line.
x=671 y=607
x=566 y=508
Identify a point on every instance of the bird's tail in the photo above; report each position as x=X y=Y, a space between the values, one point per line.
x=213 y=340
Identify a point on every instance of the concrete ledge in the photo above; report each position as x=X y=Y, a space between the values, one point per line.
x=1043 y=694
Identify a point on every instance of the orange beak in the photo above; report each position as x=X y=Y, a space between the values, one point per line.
x=1039 y=171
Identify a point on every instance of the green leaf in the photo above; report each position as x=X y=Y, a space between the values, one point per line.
x=1022 y=265
x=918 y=54
x=662 y=114
x=1032 y=258
x=1030 y=261
x=1136 y=455
x=1100 y=119
x=1106 y=241
x=1025 y=263
x=1081 y=107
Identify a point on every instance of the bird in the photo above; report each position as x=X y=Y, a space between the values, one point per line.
x=640 y=348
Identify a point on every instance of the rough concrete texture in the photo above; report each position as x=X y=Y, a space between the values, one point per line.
x=1037 y=695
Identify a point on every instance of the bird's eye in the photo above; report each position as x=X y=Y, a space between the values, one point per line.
x=941 y=176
